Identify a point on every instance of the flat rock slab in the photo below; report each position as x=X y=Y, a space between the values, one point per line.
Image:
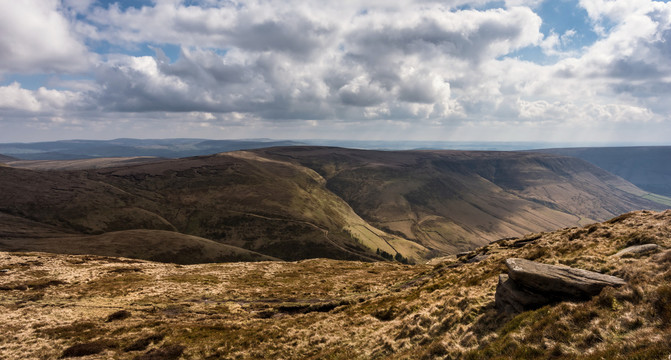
x=558 y=281
x=637 y=250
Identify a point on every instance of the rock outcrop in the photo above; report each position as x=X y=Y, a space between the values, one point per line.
x=637 y=250
x=530 y=285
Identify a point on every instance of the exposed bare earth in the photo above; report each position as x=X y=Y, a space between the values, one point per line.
x=53 y=305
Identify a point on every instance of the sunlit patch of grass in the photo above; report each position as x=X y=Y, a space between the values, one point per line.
x=116 y=285
x=200 y=279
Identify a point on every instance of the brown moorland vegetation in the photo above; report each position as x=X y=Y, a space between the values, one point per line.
x=97 y=307
x=270 y=207
x=452 y=201
x=303 y=202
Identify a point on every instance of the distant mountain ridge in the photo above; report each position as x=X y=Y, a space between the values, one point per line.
x=648 y=167
x=166 y=148
x=302 y=202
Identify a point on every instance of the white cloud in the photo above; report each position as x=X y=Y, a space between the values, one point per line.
x=555 y=45
x=350 y=66
x=307 y=60
x=35 y=37
x=15 y=98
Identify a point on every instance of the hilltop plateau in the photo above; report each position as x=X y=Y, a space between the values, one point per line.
x=105 y=307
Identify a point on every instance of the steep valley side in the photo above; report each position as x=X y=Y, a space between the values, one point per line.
x=296 y=203
x=451 y=201
x=270 y=207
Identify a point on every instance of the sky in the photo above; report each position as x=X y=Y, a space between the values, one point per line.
x=596 y=71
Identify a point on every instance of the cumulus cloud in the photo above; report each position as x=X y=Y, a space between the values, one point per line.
x=13 y=97
x=370 y=60
x=37 y=37
x=409 y=64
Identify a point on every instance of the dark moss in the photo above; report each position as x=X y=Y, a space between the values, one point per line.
x=84 y=349
x=118 y=315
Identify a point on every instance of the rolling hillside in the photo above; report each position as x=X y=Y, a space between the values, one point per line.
x=167 y=148
x=295 y=203
x=453 y=200
x=274 y=208
x=648 y=167
x=81 y=164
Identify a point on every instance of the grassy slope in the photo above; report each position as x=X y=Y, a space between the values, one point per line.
x=342 y=310
x=20 y=234
x=156 y=245
x=270 y=207
x=453 y=200
x=649 y=167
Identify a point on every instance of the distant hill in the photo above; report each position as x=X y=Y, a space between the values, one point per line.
x=5 y=158
x=81 y=164
x=294 y=203
x=166 y=148
x=648 y=167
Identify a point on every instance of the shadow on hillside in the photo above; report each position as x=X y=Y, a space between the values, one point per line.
x=491 y=321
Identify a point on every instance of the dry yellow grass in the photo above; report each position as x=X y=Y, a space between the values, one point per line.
x=318 y=309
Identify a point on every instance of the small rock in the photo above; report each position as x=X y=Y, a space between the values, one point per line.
x=637 y=250
x=559 y=281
